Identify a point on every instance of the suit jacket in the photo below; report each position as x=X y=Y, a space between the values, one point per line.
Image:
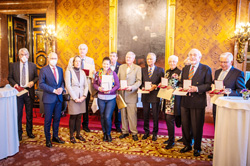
x=155 y=79
x=233 y=80
x=202 y=79
x=75 y=88
x=248 y=84
x=14 y=76
x=133 y=79
x=117 y=67
x=48 y=83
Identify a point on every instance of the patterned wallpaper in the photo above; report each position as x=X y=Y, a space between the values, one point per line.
x=205 y=25
x=82 y=21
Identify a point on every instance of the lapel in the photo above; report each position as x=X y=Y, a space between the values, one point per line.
x=131 y=69
x=30 y=70
x=197 y=73
x=51 y=74
x=154 y=73
x=229 y=74
x=217 y=74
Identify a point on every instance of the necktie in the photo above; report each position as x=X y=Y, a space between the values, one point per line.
x=23 y=76
x=191 y=73
x=54 y=72
x=82 y=66
x=222 y=75
x=150 y=72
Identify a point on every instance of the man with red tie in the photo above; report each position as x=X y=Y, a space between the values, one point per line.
x=52 y=82
x=193 y=105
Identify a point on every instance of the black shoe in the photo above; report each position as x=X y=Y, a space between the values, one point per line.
x=72 y=140
x=154 y=138
x=86 y=129
x=145 y=136
x=166 y=142
x=123 y=136
x=31 y=135
x=105 y=137
x=118 y=130
x=109 y=138
x=80 y=138
x=48 y=143
x=58 y=140
x=211 y=156
x=186 y=149
x=197 y=153
x=169 y=146
x=135 y=138
x=180 y=140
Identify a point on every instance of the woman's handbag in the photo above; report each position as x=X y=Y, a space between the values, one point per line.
x=66 y=97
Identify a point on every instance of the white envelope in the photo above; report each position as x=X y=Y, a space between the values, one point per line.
x=164 y=81
x=107 y=81
x=148 y=85
x=218 y=84
x=123 y=84
x=187 y=84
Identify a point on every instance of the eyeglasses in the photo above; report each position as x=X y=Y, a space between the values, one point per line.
x=224 y=61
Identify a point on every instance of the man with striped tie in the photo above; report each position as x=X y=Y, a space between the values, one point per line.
x=151 y=74
x=193 y=105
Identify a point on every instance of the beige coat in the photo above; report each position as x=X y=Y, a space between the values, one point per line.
x=133 y=79
x=76 y=90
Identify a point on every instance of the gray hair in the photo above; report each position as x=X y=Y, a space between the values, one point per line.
x=199 y=53
x=174 y=57
x=52 y=53
x=23 y=50
x=153 y=54
x=228 y=55
x=82 y=45
x=132 y=53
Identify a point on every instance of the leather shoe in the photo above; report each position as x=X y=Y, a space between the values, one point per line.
x=197 y=153
x=123 y=136
x=186 y=149
x=135 y=138
x=31 y=135
x=80 y=138
x=180 y=140
x=170 y=146
x=105 y=137
x=72 y=140
x=154 y=138
x=48 y=143
x=145 y=136
x=58 y=140
x=166 y=142
x=118 y=130
x=86 y=129
x=109 y=138
x=211 y=156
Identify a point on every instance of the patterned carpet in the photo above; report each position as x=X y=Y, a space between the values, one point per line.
x=120 y=146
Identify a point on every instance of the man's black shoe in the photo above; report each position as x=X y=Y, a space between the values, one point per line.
x=145 y=136
x=180 y=140
x=135 y=138
x=48 y=143
x=211 y=156
x=109 y=138
x=31 y=135
x=186 y=149
x=58 y=140
x=197 y=153
x=86 y=129
x=123 y=136
x=166 y=142
x=154 y=138
x=105 y=137
x=169 y=146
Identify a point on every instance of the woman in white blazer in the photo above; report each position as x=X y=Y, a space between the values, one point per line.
x=77 y=87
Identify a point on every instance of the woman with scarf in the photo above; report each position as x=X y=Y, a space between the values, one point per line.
x=107 y=83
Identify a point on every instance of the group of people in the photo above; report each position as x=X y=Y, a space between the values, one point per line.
x=186 y=111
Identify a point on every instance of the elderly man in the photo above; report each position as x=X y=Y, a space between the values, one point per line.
x=24 y=74
x=193 y=105
x=52 y=82
x=89 y=64
x=151 y=74
x=132 y=74
x=115 y=67
x=232 y=78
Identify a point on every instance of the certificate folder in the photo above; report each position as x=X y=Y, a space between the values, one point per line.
x=120 y=102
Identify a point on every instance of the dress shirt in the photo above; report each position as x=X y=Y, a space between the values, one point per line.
x=112 y=67
x=223 y=73
x=26 y=73
x=57 y=74
x=153 y=68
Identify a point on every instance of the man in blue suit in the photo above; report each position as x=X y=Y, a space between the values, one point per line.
x=52 y=82
x=115 y=67
x=193 y=105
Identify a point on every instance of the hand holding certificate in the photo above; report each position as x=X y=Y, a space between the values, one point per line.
x=187 y=84
x=107 y=81
x=164 y=83
x=123 y=84
x=148 y=85
x=218 y=87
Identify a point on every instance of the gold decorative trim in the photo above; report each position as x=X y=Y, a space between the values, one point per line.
x=113 y=5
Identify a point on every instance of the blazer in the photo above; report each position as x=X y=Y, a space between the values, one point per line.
x=75 y=88
x=155 y=79
x=133 y=79
x=117 y=67
x=48 y=83
x=14 y=76
x=233 y=80
x=202 y=79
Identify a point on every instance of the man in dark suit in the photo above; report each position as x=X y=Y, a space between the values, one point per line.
x=151 y=74
x=52 y=82
x=24 y=74
x=115 y=67
x=232 y=78
x=193 y=105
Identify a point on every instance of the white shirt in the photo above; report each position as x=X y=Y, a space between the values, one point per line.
x=26 y=73
x=223 y=73
x=57 y=74
x=112 y=67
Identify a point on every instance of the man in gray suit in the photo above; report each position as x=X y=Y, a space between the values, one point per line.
x=132 y=74
x=24 y=74
x=86 y=63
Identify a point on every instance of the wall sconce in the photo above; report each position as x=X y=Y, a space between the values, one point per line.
x=49 y=36
x=241 y=35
